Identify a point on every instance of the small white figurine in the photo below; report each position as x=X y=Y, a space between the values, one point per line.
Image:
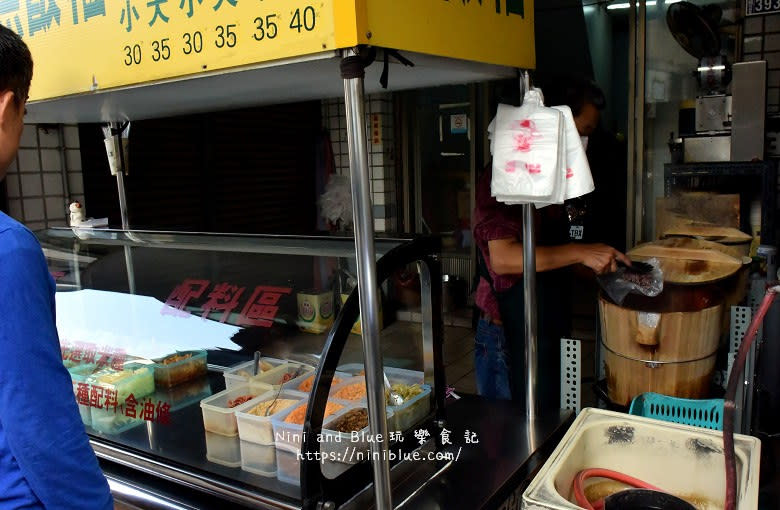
x=76 y=214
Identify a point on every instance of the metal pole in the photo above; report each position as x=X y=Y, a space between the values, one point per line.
x=529 y=289
x=113 y=146
x=367 y=283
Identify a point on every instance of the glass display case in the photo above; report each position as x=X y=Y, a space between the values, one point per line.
x=217 y=359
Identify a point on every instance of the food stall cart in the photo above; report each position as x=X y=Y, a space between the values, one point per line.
x=112 y=63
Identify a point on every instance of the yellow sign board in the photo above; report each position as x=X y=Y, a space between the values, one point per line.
x=86 y=45
x=490 y=31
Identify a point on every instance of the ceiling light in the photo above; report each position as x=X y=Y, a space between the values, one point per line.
x=626 y=5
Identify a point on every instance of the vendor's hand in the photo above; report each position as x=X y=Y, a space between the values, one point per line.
x=601 y=258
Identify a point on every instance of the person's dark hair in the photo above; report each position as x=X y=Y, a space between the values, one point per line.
x=16 y=65
x=580 y=91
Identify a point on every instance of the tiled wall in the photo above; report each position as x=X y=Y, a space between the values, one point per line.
x=41 y=182
x=762 y=42
x=379 y=120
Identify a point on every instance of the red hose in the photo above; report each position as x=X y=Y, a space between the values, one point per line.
x=579 y=481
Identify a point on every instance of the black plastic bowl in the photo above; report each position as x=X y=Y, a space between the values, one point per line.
x=645 y=499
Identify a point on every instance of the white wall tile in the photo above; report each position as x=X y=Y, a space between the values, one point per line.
x=29 y=136
x=52 y=184
x=55 y=208
x=75 y=183
x=13 y=167
x=28 y=160
x=378 y=186
x=48 y=137
x=74 y=159
x=12 y=185
x=15 y=209
x=31 y=185
x=50 y=160
x=377 y=172
x=379 y=198
x=33 y=210
x=72 y=137
x=380 y=224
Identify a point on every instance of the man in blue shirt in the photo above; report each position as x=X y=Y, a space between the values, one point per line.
x=45 y=458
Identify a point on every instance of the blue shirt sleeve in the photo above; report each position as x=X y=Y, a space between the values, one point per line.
x=38 y=410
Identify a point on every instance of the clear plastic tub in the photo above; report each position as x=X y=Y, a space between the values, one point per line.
x=240 y=374
x=217 y=416
x=410 y=412
x=168 y=375
x=79 y=373
x=137 y=379
x=346 y=447
x=259 y=429
x=223 y=450
x=184 y=395
x=395 y=375
x=288 y=436
x=288 y=467
x=296 y=384
x=294 y=373
x=258 y=459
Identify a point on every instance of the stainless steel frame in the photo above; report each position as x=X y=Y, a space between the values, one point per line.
x=367 y=282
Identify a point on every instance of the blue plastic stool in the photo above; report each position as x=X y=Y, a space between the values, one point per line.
x=699 y=413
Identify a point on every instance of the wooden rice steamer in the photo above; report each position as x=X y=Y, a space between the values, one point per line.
x=668 y=344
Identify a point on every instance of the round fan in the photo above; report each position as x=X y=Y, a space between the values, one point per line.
x=695 y=28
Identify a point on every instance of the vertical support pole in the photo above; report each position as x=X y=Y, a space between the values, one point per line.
x=113 y=143
x=529 y=291
x=352 y=73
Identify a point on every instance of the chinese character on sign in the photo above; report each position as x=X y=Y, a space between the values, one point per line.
x=422 y=435
x=191 y=7
x=471 y=437
x=76 y=353
x=118 y=360
x=90 y=351
x=41 y=14
x=445 y=437
x=82 y=394
x=261 y=308
x=127 y=13
x=157 y=11
x=186 y=291
x=9 y=16
x=91 y=8
x=219 y=4
x=163 y=413
x=110 y=402
x=104 y=357
x=130 y=403
x=95 y=396
x=224 y=298
x=396 y=437
x=148 y=412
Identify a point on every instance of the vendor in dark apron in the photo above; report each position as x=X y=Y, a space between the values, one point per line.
x=500 y=340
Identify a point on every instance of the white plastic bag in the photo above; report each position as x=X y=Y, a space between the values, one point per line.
x=579 y=180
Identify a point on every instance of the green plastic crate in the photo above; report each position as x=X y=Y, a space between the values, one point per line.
x=699 y=413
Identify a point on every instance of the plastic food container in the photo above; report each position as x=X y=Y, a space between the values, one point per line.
x=259 y=429
x=185 y=394
x=288 y=436
x=683 y=460
x=348 y=384
x=346 y=447
x=274 y=377
x=296 y=384
x=240 y=374
x=79 y=374
x=411 y=411
x=217 y=416
x=170 y=374
x=223 y=450
x=395 y=375
x=137 y=379
x=288 y=467
x=258 y=459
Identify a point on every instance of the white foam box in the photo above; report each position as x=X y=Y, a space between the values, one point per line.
x=685 y=461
